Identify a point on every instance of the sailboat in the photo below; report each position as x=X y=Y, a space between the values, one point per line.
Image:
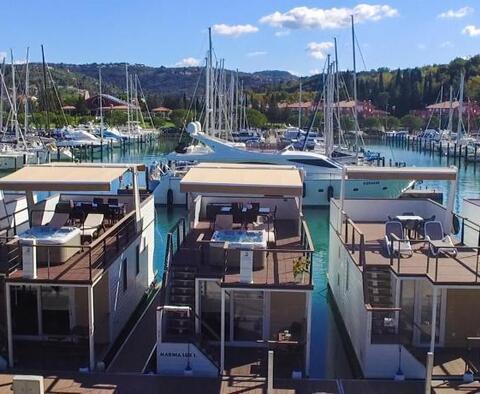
x=322 y=174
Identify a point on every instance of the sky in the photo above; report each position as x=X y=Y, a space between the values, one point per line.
x=251 y=35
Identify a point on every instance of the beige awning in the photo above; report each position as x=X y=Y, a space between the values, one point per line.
x=243 y=179
x=406 y=173
x=65 y=177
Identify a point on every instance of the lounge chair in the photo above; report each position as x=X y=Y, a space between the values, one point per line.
x=223 y=222
x=394 y=232
x=437 y=240
x=91 y=225
x=59 y=219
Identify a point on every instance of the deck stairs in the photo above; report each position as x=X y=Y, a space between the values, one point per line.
x=179 y=326
x=379 y=294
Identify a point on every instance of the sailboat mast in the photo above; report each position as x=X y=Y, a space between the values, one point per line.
x=127 y=82
x=355 y=87
x=1 y=94
x=300 y=105
x=460 y=108
x=101 y=101
x=450 y=110
x=14 y=99
x=45 y=94
x=440 y=110
x=337 y=94
x=27 y=83
x=208 y=77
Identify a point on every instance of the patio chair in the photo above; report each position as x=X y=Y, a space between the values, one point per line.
x=59 y=219
x=420 y=229
x=223 y=222
x=394 y=232
x=438 y=241
x=92 y=225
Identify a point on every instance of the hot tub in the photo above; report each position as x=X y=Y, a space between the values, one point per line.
x=56 y=244
x=238 y=239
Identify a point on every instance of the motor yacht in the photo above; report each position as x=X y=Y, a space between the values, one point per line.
x=322 y=174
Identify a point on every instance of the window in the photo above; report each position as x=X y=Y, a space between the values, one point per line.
x=137 y=259
x=314 y=162
x=125 y=274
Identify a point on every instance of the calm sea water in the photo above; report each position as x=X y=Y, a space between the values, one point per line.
x=329 y=351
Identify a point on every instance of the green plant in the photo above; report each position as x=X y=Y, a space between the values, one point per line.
x=301 y=265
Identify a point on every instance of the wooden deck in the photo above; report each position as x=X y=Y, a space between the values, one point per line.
x=134 y=383
x=458 y=270
x=278 y=268
x=90 y=262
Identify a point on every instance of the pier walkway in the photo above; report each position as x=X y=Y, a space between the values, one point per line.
x=133 y=355
x=134 y=383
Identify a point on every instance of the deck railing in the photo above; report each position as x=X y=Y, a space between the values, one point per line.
x=175 y=237
x=98 y=255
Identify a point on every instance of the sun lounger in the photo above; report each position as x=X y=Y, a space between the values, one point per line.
x=438 y=241
x=59 y=219
x=400 y=246
x=91 y=225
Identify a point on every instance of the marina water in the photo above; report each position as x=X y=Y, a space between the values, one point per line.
x=330 y=350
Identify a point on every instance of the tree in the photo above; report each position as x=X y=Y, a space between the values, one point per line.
x=256 y=118
x=412 y=122
x=180 y=117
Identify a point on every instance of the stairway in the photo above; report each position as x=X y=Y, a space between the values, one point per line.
x=180 y=327
x=379 y=294
x=181 y=292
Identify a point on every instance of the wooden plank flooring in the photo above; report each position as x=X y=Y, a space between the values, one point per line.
x=460 y=269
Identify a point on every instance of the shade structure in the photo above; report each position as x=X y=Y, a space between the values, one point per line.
x=404 y=173
x=65 y=177
x=266 y=180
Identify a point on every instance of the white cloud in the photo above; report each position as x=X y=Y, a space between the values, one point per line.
x=188 y=62
x=256 y=53
x=3 y=55
x=471 y=31
x=319 y=50
x=456 y=14
x=295 y=73
x=327 y=18
x=233 y=30
x=282 y=33
x=421 y=46
x=446 y=44
x=314 y=71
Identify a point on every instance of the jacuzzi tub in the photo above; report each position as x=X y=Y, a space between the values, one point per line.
x=54 y=243
x=238 y=239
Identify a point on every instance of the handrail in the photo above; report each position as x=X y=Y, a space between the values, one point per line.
x=123 y=228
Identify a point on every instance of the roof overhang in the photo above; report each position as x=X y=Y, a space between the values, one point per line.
x=243 y=179
x=66 y=177
x=405 y=173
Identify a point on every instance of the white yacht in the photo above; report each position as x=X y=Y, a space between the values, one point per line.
x=322 y=175
x=75 y=137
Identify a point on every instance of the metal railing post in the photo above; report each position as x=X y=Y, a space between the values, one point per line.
x=428 y=373
x=270 y=373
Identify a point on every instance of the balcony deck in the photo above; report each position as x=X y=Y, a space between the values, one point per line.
x=278 y=268
x=446 y=269
x=87 y=264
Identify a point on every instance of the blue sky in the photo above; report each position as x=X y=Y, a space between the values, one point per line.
x=251 y=35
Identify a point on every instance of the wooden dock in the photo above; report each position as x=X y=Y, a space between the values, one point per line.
x=134 y=383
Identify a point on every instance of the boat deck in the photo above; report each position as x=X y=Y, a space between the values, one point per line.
x=278 y=268
x=134 y=383
x=88 y=263
x=446 y=269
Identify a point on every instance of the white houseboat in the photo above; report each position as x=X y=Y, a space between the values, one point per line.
x=238 y=275
x=73 y=266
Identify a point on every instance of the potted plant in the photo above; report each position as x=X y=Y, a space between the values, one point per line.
x=301 y=265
